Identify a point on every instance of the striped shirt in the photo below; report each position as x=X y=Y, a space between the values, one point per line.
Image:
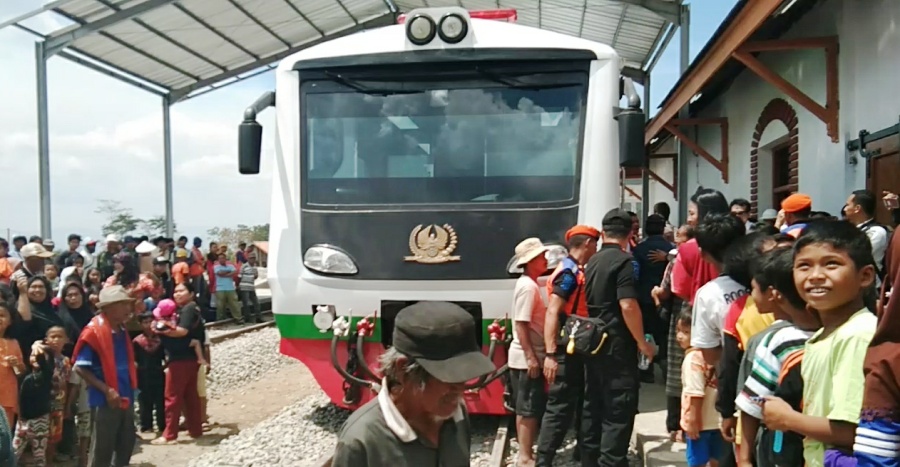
x=248 y=277
x=770 y=357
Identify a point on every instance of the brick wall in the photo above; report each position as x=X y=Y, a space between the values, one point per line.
x=776 y=109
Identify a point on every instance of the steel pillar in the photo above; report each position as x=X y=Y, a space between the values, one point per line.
x=167 y=163
x=684 y=151
x=40 y=71
x=645 y=174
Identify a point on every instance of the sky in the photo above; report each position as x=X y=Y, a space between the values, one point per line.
x=106 y=139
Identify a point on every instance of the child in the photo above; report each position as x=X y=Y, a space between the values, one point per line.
x=699 y=419
x=150 y=360
x=52 y=275
x=33 y=427
x=11 y=366
x=742 y=321
x=55 y=341
x=776 y=356
x=165 y=318
x=78 y=392
x=833 y=266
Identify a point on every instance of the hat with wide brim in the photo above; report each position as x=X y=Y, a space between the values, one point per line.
x=145 y=247
x=460 y=368
x=529 y=249
x=113 y=294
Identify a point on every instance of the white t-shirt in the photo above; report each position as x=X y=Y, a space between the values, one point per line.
x=710 y=307
x=528 y=306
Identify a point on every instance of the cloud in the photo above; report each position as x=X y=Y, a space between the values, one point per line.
x=106 y=143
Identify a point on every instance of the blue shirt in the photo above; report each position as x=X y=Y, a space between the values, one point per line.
x=224 y=284
x=89 y=359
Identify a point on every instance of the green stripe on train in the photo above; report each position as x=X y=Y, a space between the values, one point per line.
x=302 y=327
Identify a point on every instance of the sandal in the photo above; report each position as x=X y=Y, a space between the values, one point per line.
x=162 y=441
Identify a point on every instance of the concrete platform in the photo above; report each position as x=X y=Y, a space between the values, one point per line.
x=650 y=438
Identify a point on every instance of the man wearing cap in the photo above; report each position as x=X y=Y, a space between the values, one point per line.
x=88 y=252
x=769 y=216
x=612 y=378
x=34 y=257
x=104 y=359
x=419 y=418
x=526 y=353
x=564 y=373
x=106 y=259
x=161 y=271
x=797 y=209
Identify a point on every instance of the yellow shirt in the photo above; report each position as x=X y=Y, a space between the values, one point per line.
x=833 y=379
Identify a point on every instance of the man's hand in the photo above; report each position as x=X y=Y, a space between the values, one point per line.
x=891 y=200
x=648 y=349
x=727 y=427
x=534 y=367
x=550 y=367
x=779 y=221
x=658 y=256
x=657 y=293
x=112 y=398
x=22 y=284
x=777 y=414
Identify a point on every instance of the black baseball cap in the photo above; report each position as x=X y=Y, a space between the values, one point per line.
x=440 y=336
x=617 y=218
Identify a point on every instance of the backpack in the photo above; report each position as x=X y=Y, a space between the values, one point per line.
x=879 y=263
x=785 y=448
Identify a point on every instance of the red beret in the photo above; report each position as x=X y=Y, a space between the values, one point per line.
x=582 y=230
x=797 y=202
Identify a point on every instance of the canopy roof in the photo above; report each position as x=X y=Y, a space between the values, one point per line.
x=187 y=47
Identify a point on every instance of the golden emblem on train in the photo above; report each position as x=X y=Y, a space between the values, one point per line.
x=432 y=244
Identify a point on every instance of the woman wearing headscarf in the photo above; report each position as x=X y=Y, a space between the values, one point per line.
x=36 y=313
x=75 y=312
x=691 y=271
x=878 y=434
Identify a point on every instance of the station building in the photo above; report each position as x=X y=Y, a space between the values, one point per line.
x=804 y=97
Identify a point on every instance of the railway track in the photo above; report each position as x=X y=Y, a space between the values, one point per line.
x=499 y=451
x=223 y=330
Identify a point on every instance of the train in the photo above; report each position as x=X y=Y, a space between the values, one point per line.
x=411 y=159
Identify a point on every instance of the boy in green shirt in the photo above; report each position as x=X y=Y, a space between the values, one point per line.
x=833 y=266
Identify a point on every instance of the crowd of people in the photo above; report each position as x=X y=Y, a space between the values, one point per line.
x=89 y=339
x=776 y=340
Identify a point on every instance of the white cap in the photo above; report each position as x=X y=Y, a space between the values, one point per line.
x=113 y=238
x=34 y=249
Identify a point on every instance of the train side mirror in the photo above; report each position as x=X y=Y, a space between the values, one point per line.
x=632 y=120
x=250 y=135
x=632 y=152
x=249 y=146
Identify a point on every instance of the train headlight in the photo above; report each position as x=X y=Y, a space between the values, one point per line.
x=453 y=28
x=554 y=254
x=329 y=260
x=421 y=29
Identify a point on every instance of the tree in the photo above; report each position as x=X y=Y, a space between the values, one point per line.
x=120 y=221
x=156 y=226
x=241 y=233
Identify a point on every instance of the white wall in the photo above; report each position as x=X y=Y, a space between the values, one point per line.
x=869 y=67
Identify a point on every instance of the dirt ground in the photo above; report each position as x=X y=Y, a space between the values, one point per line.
x=232 y=413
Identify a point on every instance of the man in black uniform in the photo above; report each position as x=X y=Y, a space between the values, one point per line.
x=564 y=373
x=612 y=378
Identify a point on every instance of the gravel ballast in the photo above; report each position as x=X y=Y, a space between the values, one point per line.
x=246 y=358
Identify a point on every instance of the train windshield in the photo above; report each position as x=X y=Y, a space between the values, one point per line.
x=452 y=137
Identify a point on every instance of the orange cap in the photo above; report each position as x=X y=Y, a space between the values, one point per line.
x=797 y=202
x=582 y=230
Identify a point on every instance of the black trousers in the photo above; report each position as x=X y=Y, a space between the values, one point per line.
x=564 y=402
x=249 y=305
x=152 y=399
x=612 y=386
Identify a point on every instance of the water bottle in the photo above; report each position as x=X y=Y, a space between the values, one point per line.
x=643 y=361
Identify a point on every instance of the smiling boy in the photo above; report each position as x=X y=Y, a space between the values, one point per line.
x=833 y=266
